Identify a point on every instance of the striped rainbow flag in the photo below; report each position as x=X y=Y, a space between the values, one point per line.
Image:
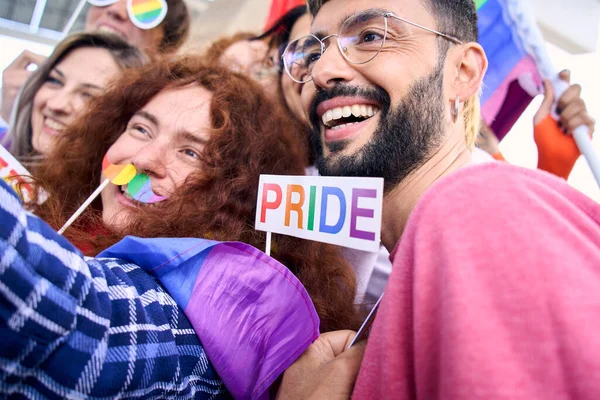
x=512 y=79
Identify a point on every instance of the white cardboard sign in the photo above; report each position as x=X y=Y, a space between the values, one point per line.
x=337 y=210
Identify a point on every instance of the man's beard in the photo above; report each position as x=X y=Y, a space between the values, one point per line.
x=403 y=142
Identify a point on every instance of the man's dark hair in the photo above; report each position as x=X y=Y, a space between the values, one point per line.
x=454 y=17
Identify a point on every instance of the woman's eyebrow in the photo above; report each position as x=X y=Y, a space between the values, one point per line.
x=146 y=115
x=186 y=136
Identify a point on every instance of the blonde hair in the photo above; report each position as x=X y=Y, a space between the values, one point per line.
x=472 y=119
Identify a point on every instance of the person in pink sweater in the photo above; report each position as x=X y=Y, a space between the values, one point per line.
x=495 y=286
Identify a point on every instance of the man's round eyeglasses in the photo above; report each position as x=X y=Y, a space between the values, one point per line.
x=360 y=39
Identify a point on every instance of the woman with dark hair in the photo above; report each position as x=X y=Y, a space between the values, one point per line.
x=79 y=69
x=202 y=135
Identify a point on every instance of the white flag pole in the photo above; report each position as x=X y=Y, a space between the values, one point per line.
x=85 y=205
x=522 y=16
x=366 y=324
x=268 y=245
x=73 y=18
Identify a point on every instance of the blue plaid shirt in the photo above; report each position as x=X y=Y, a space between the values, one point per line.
x=76 y=327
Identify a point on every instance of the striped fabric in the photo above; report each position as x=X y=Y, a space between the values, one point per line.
x=252 y=315
x=73 y=327
x=512 y=78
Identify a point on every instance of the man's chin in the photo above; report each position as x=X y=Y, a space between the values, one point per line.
x=340 y=163
x=338 y=148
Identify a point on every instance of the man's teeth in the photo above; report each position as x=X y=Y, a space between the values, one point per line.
x=54 y=125
x=357 y=110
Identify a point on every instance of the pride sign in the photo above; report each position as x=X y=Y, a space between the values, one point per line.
x=336 y=210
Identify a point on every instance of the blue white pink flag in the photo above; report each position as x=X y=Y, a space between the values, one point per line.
x=513 y=77
x=252 y=315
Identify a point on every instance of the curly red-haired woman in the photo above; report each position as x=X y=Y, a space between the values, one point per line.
x=203 y=135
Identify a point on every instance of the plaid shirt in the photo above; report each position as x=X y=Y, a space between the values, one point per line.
x=76 y=327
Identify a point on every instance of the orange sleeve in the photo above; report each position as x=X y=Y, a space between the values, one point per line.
x=498 y=157
x=557 y=151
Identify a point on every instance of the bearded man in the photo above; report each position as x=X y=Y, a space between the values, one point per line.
x=496 y=269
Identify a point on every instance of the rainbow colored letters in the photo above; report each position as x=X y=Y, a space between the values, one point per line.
x=337 y=210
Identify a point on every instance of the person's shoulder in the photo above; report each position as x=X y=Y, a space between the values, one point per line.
x=487 y=191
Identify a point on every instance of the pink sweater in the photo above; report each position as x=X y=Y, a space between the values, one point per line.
x=494 y=294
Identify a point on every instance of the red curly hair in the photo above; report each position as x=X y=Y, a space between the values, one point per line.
x=250 y=136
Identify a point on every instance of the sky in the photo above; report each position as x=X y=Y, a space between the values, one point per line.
x=517 y=147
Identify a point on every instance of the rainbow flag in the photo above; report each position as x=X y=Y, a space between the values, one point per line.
x=252 y=315
x=513 y=78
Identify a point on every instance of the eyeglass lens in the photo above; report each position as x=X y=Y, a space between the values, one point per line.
x=360 y=39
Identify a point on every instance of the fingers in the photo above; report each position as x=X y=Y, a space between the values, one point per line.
x=354 y=355
x=581 y=118
x=26 y=58
x=565 y=75
x=573 y=111
x=15 y=75
x=571 y=94
x=546 y=106
x=338 y=341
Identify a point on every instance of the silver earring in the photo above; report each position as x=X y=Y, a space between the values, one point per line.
x=456 y=106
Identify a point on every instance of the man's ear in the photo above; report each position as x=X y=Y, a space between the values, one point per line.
x=471 y=64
